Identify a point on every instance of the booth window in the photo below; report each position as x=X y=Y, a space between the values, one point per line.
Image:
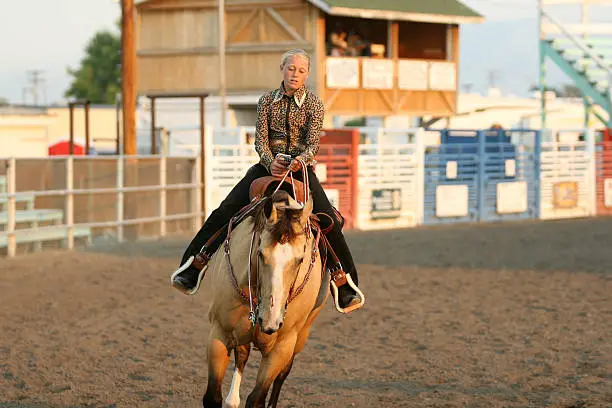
x=422 y=41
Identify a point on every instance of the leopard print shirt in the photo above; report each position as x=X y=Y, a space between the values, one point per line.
x=288 y=124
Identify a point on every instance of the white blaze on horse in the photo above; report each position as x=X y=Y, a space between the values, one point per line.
x=269 y=285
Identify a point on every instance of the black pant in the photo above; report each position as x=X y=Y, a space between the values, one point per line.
x=239 y=197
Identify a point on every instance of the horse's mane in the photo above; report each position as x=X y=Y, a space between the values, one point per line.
x=283 y=229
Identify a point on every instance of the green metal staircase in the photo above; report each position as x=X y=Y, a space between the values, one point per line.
x=587 y=60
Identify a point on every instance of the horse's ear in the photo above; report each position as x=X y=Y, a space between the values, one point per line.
x=270 y=210
x=307 y=210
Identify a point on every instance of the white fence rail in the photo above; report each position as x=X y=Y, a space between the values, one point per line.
x=97 y=195
x=67 y=199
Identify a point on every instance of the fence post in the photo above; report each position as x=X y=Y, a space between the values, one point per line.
x=537 y=162
x=196 y=197
x=420 y=176
x=11 y=181
x=208 y=170
x=162 y=195
x=481 y=135
x=119 y=203
x=592 y=183
x=69 y=202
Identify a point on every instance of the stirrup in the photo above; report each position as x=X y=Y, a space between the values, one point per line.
x=183 y=267
x=344 y=278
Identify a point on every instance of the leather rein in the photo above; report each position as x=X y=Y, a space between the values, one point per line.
x=294 y=292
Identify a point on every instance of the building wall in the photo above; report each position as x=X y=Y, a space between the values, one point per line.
x=24 y=135
x=102 y=126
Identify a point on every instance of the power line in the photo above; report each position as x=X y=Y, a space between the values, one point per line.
x=36 y=81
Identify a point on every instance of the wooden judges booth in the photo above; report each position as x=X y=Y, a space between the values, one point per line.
x=409 y=67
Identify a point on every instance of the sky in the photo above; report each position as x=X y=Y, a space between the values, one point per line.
x=50 y=35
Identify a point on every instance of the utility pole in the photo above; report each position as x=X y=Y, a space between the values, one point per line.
x=36 y=80
x=128 y=85
x=222 y=84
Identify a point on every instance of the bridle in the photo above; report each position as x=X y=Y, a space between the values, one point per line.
x=249 y=297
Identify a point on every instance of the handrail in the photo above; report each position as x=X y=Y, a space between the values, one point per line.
x=580 y=45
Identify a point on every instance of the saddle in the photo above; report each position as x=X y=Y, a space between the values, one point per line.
x=264 y=187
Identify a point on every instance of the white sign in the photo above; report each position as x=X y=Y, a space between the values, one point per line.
x=321 y=172
x=442 y=76
x=451 y=169
x=333 y=195
x=510 y=168
x=342 y=72
x=377 y=74
x=512 y=197
x=452 y=201
x=608 y=192
x=412 y=75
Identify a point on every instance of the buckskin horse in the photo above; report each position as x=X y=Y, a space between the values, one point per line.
x=269 y=284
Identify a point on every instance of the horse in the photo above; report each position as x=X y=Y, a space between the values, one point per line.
x=269 y=285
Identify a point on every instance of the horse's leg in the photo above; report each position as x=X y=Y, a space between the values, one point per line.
x=241 y=355
x=271 y=365
x=278 y=383
x=218 y=359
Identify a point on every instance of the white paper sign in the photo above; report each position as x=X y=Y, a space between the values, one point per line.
x=451 y=169
x=377 y=74
x=512 y=197
x=413 y=75
x=342 y=72
x=321 y=172
x=442 y=76
x=452 y=201
x=510 y=168
x=608 y=192
x=333 y=195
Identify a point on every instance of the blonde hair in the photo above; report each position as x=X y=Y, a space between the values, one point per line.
x=295 y=53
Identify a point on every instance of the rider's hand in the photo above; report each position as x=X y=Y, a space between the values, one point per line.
x=295 y=165
x=278 y=168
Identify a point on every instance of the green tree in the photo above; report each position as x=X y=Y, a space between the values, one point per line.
x=98 y=79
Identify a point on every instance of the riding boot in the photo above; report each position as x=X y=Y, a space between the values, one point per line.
x=348 y=297
x=194 y=262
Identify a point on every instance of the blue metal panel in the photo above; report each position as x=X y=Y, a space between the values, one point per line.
x=481 y=158
x=520 y=147
x=459 y=147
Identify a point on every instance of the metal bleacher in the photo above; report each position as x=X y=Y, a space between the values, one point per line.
x=29 y=219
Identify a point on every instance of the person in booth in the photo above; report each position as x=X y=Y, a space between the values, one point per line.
x=289 y=122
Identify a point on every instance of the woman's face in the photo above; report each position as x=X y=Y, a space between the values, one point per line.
x=295 y=72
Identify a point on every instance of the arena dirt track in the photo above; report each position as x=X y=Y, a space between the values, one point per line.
x=512 y=315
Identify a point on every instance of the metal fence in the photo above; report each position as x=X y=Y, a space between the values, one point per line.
x=63 y=199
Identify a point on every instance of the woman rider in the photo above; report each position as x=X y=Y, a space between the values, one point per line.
x=289 y=121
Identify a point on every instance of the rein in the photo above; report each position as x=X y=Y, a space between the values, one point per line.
x=249 y=297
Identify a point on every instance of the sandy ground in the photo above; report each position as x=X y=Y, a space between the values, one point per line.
x=513 y=315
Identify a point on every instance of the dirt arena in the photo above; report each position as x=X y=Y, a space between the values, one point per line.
x=512 y=315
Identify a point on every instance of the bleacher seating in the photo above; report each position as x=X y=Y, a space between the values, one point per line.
x=31 y=218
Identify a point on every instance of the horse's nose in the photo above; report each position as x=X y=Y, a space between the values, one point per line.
x=280 y=325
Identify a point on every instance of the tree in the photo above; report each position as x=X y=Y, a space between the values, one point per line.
x=98 y=79
x=4 y=101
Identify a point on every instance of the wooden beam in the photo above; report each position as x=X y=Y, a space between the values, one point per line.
x=239 y=48
x=284 y=24
x=208 y=4
x=242 y=26
x=128 y=73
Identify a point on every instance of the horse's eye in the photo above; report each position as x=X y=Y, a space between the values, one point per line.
x=299 y=260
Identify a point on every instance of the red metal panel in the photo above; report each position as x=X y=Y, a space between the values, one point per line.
x=604 y=172
x=339 y=152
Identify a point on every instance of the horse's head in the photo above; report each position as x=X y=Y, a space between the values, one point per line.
x=281 y=254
